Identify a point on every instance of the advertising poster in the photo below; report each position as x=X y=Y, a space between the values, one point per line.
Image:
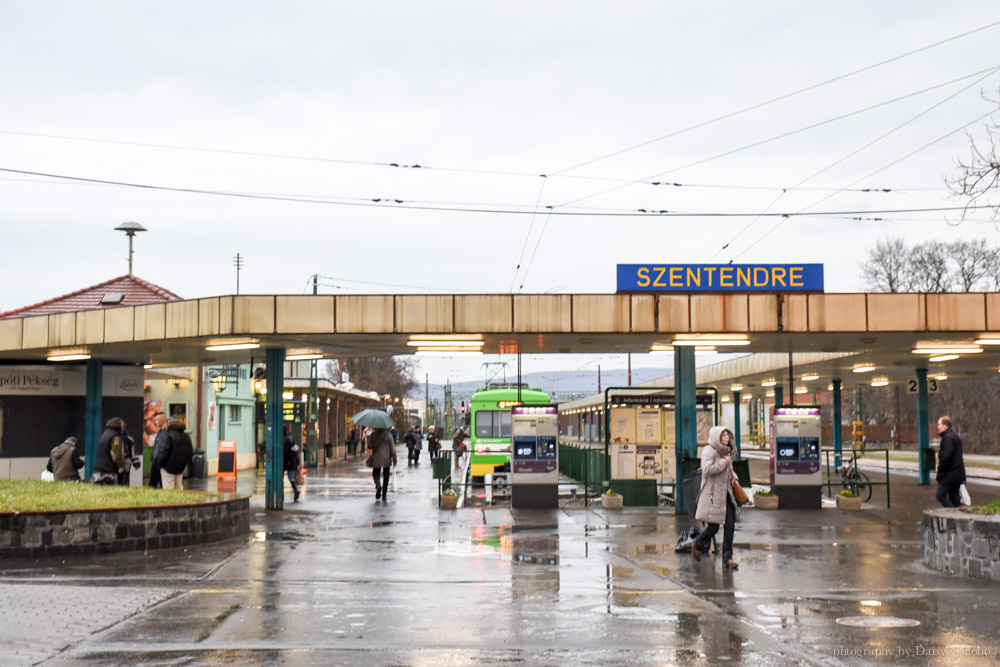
x=623 y=461
x=649 y=461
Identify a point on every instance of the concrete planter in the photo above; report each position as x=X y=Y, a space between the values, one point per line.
x=961 y=543
x=613 y=502
x=449 y=502
x=765 y=502
x=849 y=504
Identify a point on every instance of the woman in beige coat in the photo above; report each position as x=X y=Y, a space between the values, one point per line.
x=716 y=504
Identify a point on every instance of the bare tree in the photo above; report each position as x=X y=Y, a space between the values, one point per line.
x=928 y=269
x=975 y=263
x=887 y=266
x=385 y=375
x=978 y=179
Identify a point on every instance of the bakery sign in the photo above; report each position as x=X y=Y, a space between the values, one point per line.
x=46 y=381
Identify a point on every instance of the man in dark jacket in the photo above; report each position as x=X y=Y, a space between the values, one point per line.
x=65 y=461
x=951 y=465
x=109 y=462
x=411 y=446
x=290 y=454
x=175 y=455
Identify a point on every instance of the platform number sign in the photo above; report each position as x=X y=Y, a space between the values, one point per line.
x=932 y=386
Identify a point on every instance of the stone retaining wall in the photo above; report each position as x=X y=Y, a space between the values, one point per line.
x=85 y=532
x=957 y=542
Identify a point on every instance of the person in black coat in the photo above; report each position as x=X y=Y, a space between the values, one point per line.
x=291 y=458
x=158 y=444
x=411 y=444
x=109 y=462
x=951 y=465
x=175 y=455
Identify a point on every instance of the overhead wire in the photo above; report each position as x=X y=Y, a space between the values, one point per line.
x=527 y=236
x=599 y=214
x=877 y=171
x=783 y=135
x=851 y=154
x=780 y=97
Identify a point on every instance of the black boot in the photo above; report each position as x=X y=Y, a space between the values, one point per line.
x=378 y=492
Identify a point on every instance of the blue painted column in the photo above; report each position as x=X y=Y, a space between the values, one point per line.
x=838 y=428
x=736 y=420
x=92 y=414
x=685 y=415
x=923 y=435
x=274 y=473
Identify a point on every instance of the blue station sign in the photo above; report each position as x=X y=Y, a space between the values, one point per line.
x=720 y=277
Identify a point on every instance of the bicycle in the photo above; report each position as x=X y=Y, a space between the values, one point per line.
x=854 y=480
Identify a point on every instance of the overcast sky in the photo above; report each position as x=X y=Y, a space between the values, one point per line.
x=313 y=100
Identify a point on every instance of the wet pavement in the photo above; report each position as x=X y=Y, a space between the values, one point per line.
x=341 y=578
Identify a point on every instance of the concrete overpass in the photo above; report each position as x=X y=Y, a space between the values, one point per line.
x=900 y=335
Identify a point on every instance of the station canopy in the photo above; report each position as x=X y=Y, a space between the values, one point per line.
x=831 y=335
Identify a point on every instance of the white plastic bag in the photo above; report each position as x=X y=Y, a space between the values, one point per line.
x=47 y=476
x=966 y=498
x=392 y=480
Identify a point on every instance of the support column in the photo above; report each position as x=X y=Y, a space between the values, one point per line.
x=923 y=434
x=736 y=420
x=685 y=416
x=312 y=428
x=779 y=395
x=838 y=428
x=274 y=474
x=92 y=414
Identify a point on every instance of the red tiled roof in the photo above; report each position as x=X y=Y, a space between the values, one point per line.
x=135 y=292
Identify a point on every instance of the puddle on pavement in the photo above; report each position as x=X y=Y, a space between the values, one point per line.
x=279 y=536
x=607 y=526
x=537 y=559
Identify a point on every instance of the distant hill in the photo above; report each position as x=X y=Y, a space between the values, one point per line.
x=560 y=385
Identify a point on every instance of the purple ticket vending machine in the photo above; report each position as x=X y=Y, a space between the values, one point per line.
x=795 y=466
x=534 y=464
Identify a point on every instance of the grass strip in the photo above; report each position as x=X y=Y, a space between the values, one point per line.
x=38 y=496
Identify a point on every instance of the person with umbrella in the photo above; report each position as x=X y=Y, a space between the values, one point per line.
x=382 y=448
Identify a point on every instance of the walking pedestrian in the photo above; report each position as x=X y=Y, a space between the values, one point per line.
x=65 y=461
x=383 y=451
x=175 y=455
x=159 y=442
x=410 y=439
x=109 y=461
x=716 y=503
x=951 y=465
x=418 y=445
x=458 y=445
x=433 y=443
x=291 y=456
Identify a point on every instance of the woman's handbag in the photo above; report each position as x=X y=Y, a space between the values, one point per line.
x=300 y=476
x=739 y=494
x=370 y=461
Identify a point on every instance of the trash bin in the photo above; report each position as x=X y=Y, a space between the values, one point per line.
x=329 y=450
x=690 y=486
x=198 y=464
x=930 y=459
x=689 y=464
x=742 y=469
x=441 y=466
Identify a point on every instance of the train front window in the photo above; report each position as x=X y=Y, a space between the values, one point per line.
x=493 y=424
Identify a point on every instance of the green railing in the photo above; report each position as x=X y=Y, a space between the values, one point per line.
x=834 y=478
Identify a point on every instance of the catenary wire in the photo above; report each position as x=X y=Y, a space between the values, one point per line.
x=626 y=214
x=781 y=97
x=527 y=236
x=851 y=154
x=877 y=171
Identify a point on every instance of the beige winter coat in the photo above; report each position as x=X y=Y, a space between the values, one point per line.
x=716 y=480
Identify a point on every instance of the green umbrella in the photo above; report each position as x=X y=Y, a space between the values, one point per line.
x=373 y=419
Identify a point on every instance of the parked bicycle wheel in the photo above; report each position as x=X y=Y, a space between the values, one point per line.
x=860 y=486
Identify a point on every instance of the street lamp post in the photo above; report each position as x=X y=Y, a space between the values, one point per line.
x=219 y=382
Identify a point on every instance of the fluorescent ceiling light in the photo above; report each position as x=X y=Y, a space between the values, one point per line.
x=808 y=377
x=710 y=340
x=456 y=338
x=445 y=343
x=736 y=387
x=147 y=366
x=303 y=357
x=73 y=356
x=801 y=390
x=449 y=353
x=661 y=352
x=943 y=357
x=245 y=345
x=770 y=382
x=987 y=341
x=880 y=381
x=948 y=349
x=941 y=376
x=725 y=398
x=864 y=368
x=770 y=394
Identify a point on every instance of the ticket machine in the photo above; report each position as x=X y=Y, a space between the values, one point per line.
x=795 y=457
x=534 y=464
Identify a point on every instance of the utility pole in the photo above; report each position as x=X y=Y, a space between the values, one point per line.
x=238 y=263
x=630 y=369
x=313 y=411
x=427 y=401
x=598 y=378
